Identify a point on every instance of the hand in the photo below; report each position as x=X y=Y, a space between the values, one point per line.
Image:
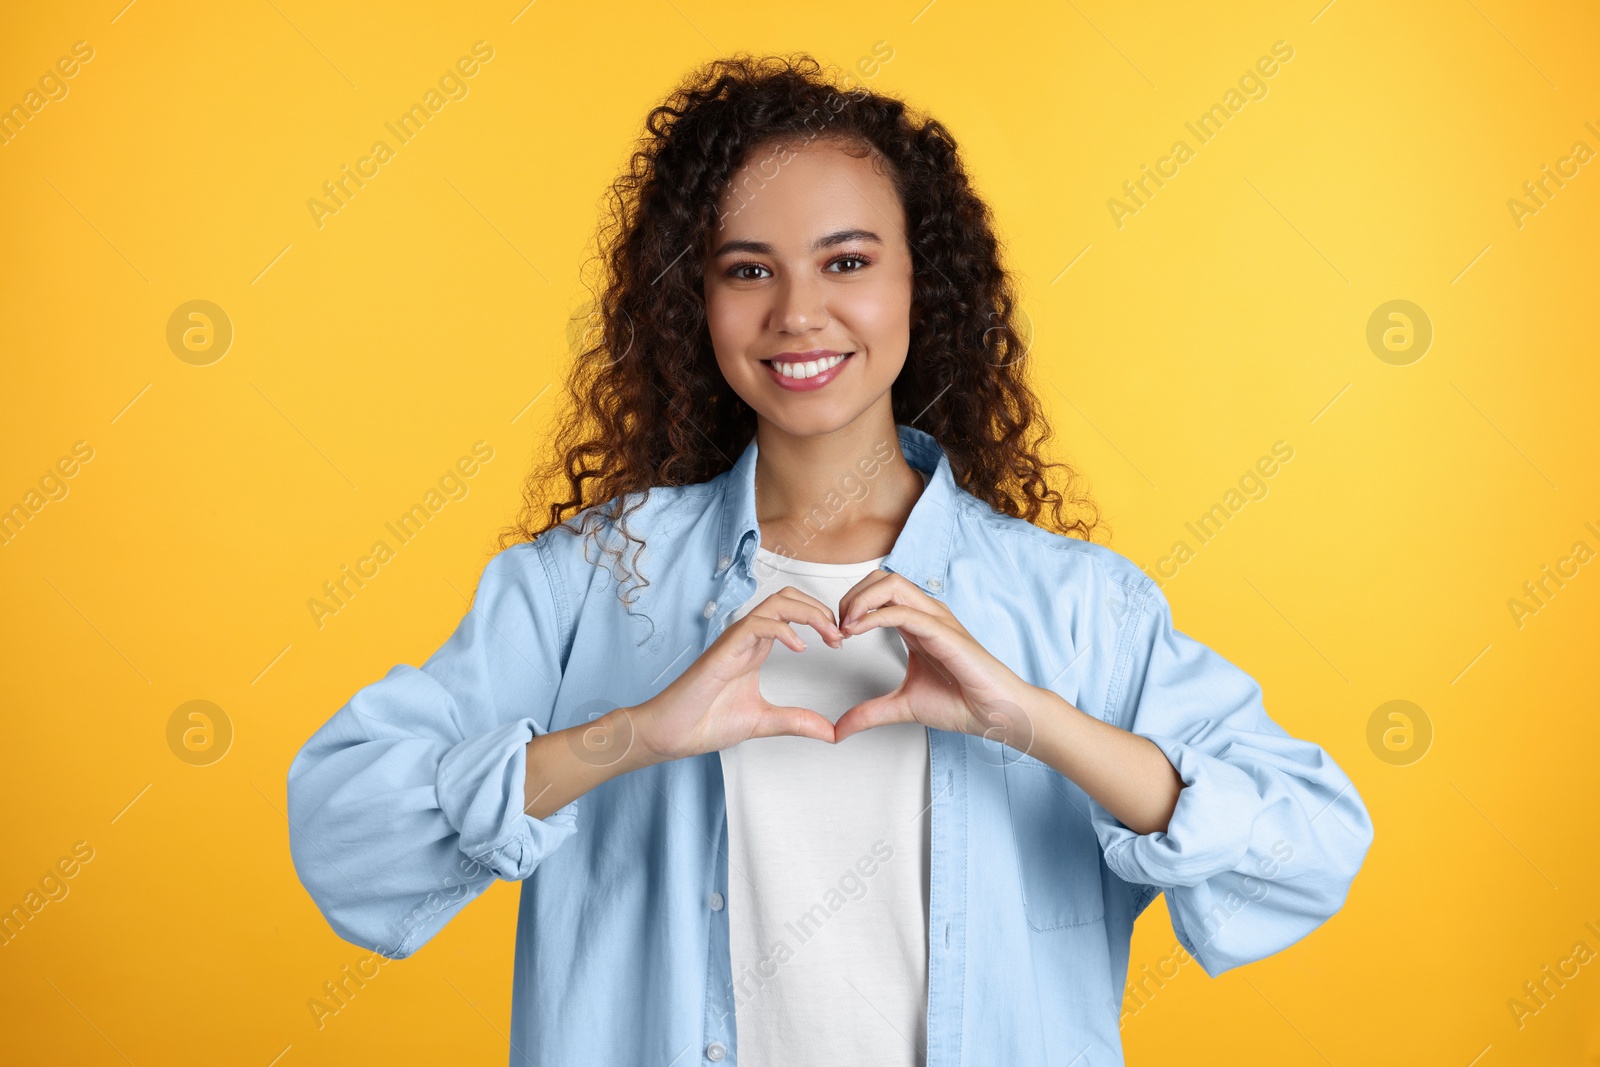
x=952 y=682
x=717 y=701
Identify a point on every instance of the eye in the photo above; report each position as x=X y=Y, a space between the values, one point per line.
x=736 y=271
x=863 y=260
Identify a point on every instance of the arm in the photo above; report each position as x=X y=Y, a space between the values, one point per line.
x=1124 y=773
x=564 y=765
x=1261 y=843
x=409 y=802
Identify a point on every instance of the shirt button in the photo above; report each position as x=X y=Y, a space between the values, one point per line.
x=722 y=564
x=716 y=901
x=715 y=1051
x=935 y=584
x=711 y=609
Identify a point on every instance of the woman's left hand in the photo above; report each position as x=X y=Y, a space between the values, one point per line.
x=952 y=682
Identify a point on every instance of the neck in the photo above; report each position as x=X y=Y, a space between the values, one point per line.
x=834 y=497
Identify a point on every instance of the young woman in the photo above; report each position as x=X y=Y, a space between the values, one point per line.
x=826 y=752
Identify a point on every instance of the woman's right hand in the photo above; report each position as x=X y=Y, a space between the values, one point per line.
x=716 y=702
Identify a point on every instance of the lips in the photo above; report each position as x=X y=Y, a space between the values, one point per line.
x=808 y=356
x=818 y=360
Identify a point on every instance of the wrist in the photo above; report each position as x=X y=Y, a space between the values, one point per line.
x=629 y=726
x=1013 y=720
x=1040 y=718
x=609 y=742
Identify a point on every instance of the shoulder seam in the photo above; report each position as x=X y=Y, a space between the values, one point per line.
x=558 y=588
x=1119 y=672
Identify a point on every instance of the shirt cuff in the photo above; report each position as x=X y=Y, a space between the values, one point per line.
x=481 y=784
x=1210 y=829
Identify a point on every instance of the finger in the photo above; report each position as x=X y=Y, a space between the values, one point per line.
x=789 y=592
x=908 y=620
x=852 y=596
x=879 y=711
x=777 y=720
x=802 y=608
x=764 y=626
x=888 y=588
x=932 y=638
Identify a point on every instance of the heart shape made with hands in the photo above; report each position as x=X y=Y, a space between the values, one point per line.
x=950 y=681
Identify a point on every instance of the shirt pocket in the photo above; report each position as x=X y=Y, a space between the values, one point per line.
x=1058 y=853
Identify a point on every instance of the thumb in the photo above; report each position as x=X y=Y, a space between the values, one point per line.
x=780 y=720
x=879 y=711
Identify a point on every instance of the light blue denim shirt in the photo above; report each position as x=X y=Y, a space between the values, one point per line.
x=407 y=803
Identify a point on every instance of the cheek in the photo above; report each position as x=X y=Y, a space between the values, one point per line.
x=880 y=317
x=732 y=325
x=732 y=318
x=721 y=324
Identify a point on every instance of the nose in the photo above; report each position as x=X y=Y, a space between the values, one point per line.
x=799 y=305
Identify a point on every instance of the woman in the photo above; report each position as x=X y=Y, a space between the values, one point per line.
x=862 y=761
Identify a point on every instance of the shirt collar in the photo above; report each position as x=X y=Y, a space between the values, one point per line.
x=922 y=551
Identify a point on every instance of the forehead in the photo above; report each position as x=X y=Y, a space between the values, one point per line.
x=790 y=191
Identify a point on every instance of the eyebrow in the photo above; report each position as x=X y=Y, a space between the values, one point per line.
x=838 y=237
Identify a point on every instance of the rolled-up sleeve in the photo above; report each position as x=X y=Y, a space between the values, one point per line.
x=408 y=802
x=1268 y=833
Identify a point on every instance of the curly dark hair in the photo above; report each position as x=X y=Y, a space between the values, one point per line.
x=647 y=404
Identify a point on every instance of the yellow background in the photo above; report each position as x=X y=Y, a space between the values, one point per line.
x=1230 y=312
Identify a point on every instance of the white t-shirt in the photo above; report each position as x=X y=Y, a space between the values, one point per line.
x=828 y=853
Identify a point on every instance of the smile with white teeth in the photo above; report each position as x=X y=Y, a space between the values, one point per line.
x=810 y=369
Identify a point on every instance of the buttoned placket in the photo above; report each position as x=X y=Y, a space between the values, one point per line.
x=720 y=1023
x=947 y=874
x=947 y=900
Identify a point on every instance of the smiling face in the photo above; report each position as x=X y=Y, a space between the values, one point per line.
x=808 y=287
